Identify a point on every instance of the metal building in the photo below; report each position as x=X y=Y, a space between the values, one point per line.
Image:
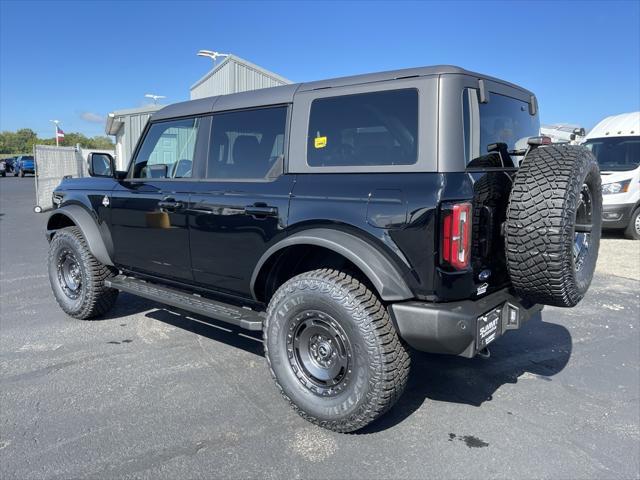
x=127 y=126
x=233 y=75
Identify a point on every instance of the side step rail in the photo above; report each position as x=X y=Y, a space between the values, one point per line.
x=241 y=317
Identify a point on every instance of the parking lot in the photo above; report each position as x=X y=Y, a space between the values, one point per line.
x=153 y=393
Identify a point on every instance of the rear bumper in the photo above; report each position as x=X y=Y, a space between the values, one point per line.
x=616 y=216
x=452 y=327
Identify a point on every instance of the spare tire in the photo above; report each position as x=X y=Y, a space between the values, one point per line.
x=553 y=226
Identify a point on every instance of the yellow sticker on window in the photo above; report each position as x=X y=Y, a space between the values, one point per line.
x=320 y=142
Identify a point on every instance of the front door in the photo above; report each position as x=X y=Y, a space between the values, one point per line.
x=241 y=208
x=149 y=209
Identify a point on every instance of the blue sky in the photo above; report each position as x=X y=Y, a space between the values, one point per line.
x=76 y=61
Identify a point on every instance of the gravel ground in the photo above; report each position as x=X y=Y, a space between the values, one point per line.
x=619 y=256
x=151 y=393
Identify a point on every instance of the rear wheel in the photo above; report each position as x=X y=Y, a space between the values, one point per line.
x=553 y=225
x=77 y=278
x=333 y=350
x=633 y=229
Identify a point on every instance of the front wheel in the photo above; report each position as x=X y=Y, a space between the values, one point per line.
x=77 y=278
x=333 y=350
x=633 y=229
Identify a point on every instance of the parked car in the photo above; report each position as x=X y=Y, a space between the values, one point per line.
x=615 y=142
x=347 y=219
x=9 y=162
x=24 y=164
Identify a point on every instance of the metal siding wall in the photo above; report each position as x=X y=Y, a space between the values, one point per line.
x=129 y=135
x=217 y=84
x=233 y=77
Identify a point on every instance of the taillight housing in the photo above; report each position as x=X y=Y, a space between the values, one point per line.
x=455 y=239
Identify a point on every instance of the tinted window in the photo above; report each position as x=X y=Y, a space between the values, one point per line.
x=168 y=150
x=502 y=120
x=247 y=144
x=379 y=128
x=616 y=153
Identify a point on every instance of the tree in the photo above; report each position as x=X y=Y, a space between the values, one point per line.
x=24 y=139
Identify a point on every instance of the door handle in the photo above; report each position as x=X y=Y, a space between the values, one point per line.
x=169 y=204
x=261 y=210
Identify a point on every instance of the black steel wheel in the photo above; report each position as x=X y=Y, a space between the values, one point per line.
x=583 y=228
x=77 y=278
x=333 y=350
x=319 y=352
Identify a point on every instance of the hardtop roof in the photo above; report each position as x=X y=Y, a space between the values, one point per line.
x=284 y=94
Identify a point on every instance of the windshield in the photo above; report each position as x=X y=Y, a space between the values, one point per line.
x=616 y=154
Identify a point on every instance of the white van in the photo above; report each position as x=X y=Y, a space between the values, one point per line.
x=615 y=142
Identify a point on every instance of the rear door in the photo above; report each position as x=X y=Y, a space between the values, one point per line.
x=241 y=207
x=149 y=209
x=493 y=131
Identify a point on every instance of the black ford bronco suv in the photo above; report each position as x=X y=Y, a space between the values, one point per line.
x=347 y=219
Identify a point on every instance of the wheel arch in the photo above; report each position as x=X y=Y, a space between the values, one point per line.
x=385 y=277
x=75 y=215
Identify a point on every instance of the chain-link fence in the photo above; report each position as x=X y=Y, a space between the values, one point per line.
x=52 y=165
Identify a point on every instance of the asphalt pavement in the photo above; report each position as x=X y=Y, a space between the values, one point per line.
x=151 y=393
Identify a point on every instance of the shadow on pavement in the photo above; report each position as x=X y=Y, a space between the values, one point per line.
x=540 y=348
x=206 y=327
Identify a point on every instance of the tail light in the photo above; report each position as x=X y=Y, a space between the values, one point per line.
x=456 y=235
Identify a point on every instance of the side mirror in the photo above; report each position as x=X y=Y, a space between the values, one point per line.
x=101 y=165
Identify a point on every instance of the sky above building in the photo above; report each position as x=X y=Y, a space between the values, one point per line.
x=77 y=61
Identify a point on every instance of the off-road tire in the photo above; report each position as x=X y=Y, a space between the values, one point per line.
x=632 y=229
x=94 y=298
x=541 y=220
x=380 y=365
x=21 y=174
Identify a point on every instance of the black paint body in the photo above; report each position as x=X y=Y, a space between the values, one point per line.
x=211 y=242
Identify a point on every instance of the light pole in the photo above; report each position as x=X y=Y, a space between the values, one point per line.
x=153 y=97
x=56 y=122
x=211 y=54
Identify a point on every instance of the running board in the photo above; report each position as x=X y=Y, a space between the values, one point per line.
x=241 y=317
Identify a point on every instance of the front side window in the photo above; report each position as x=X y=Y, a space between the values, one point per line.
x=378 y=128
x=168 y=150
x=247 y=144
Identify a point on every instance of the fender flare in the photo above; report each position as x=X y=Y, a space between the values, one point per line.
x=381 y=272
x=87 y=224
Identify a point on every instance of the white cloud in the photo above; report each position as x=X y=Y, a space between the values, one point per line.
x=92 y=117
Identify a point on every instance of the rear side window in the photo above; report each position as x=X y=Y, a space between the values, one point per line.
x=168 y=150
x=247 y=144
x=379 y=128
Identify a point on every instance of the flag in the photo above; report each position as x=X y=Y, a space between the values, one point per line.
x=59 y=132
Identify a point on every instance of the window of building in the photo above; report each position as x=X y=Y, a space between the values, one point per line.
x=379 y=128
x=247 y=144
x=168 y=150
